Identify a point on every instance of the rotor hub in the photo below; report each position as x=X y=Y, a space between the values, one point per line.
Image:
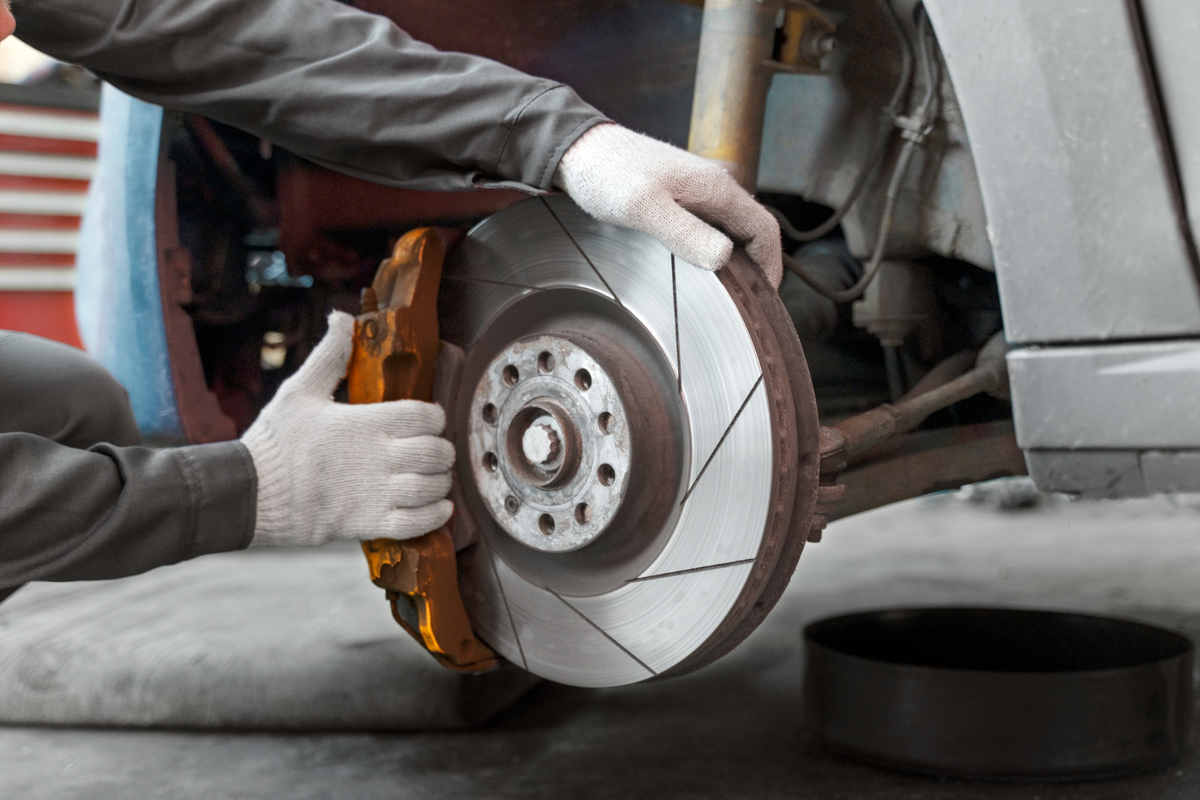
x=550 y=448
x=541 y=445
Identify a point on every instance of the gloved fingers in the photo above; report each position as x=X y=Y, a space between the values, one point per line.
x=326 y=364
x=722 y=201
x=768 y=254
x=405 y=523
x=423 y=455
x=409 y=490
x=686 y=235
x=399 y=418
x=759 y=232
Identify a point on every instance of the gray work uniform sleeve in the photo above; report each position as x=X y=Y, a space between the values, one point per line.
x=346 y=89
x=107 y=512
x=79 y=499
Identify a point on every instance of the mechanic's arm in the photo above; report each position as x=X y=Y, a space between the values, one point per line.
x=308 y=471
x=341 y=87
x=351 y=91
x=70 y=514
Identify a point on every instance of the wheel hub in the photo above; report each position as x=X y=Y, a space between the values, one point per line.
x=550 y=450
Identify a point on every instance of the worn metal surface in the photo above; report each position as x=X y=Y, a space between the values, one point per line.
x=926 y=462
x=395 y=350
x=808 y=38
x=1000 y=693
x=713 y=482
x=550 y=444
x=1074 y=174
x=885 y=466
x=871 y=428
x=736 y=39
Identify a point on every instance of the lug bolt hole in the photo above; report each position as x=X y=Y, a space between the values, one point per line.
x=583 y=513
x=510 y=375
x=511 y=504
x=583 y=379
x=490 y=462
x=546 y=362
x=546 y=524
x=606 y=474
x=489 y=414
x=606 y=421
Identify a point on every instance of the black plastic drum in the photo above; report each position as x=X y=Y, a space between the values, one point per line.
x=999 y=693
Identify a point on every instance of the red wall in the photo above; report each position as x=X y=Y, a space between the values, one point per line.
x=47 y=314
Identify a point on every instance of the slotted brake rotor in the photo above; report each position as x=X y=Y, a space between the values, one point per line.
x=637 y=446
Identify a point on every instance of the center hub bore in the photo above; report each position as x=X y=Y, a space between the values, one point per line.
x=541 y=445
x=550 y=445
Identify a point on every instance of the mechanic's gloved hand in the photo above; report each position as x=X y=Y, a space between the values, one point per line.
x=331 y=471
x=629 y=179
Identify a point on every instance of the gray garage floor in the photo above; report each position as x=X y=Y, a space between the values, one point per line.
x=733 y=730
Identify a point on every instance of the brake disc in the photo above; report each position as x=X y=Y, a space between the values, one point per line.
x=637 y=445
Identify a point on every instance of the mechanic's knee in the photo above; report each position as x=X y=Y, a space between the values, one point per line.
x=103 y=411
x=59 y=392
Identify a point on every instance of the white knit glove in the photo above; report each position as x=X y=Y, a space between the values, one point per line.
x=629 y=179
x=329 y=471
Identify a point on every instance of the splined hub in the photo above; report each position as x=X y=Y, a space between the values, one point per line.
x=550 y=449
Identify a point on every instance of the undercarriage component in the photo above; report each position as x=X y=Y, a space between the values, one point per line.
x=735 y=69
x=395 y=350
x=925 y=462
x=550 y=444
x=889 y=469
x=637 y=446
x=862 y=432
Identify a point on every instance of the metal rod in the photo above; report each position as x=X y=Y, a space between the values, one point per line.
x=736 y=38
x=870 y=428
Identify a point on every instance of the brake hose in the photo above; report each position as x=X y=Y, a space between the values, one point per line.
x=878 y=149
x=914 y=129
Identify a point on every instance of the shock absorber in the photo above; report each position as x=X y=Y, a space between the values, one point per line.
x=733 y=74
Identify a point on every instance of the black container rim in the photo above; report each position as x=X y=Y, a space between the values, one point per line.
x=1123 y=637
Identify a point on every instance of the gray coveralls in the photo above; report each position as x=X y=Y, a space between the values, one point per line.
x=79 y=499
x=343 y=88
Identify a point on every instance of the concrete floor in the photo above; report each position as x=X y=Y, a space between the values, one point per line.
x=733 y=730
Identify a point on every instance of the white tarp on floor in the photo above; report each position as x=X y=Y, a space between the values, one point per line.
x=261 y=639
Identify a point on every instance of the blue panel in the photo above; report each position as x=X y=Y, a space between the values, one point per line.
x=117 y=301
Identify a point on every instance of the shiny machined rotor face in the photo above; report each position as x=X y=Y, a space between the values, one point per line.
x=710 y=438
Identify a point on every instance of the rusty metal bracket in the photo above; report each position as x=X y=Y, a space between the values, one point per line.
x=808 y=38
x=847 y=447
x=395 y=348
